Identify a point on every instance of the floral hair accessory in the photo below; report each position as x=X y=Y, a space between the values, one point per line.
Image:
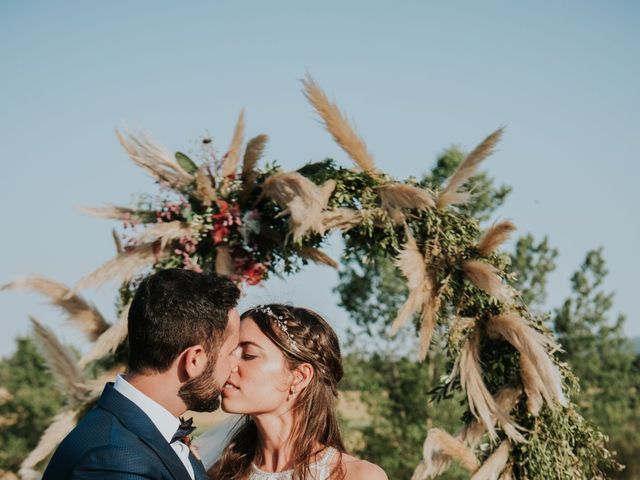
x=280 y=321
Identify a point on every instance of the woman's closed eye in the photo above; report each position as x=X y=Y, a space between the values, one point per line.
x=247 y=356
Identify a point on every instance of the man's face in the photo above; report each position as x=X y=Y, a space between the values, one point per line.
x=202 y=393
x=228 y=357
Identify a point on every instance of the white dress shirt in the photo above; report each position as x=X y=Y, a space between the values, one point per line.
x=164 y=421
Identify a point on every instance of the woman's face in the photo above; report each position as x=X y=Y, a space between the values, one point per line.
x=261 y=382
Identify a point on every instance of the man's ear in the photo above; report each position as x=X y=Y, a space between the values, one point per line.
x=302 y=375
x=194 y=360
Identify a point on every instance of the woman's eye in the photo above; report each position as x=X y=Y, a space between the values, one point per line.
x=247 y=356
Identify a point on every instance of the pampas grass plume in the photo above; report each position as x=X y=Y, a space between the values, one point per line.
x=154 y=159
x=60 y=361
x=80 y=312
x=531 y=344
x=165 y=232
x=338 y=126
x=400 y=195
x=411 y=263
x=343 y=218
x=59 y=428
x=485 y=277
x=123 y=267
x=467 y=169
x=440 y=448
x=109 y=340
x=318 y=256
x=495 y=236
x=495 y=464
x=112 y=212
x=252 y=154
x=230 y=161
x=204 y=187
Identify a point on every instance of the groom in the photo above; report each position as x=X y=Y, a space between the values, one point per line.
x=183 y=332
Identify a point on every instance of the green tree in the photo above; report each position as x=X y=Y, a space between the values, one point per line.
x=602 y=357
x=31 y=399
x=532 y=262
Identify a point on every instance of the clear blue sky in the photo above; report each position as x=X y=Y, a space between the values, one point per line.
x=416 y=76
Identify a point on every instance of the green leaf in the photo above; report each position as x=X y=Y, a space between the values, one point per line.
x=186 y=163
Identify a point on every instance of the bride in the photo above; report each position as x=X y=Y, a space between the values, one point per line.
x=285 y=387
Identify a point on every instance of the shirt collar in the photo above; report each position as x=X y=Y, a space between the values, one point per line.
x=164 y=421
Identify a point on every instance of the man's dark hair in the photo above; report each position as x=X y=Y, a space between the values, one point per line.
x=175 y=309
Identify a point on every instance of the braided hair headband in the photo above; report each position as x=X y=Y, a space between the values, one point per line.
x=280 y=321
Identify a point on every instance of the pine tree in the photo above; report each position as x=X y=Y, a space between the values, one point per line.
x=28 y=400
x=602 y=357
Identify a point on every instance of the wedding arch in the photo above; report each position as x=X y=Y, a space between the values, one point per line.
x=231 y=216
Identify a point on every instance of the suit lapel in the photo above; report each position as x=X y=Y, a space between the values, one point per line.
x=135 y=420
x=198 y=468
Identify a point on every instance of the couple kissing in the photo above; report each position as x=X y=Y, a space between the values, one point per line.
x=189 y=349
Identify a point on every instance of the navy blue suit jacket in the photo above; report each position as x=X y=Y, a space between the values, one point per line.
x=117 y=441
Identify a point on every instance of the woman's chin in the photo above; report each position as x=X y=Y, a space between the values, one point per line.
x=229 y=407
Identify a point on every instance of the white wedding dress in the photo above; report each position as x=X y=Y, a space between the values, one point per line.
x=319 y=471
x=212 y=442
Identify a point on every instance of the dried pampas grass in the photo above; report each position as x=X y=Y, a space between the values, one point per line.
x=338 y=126
x=343 y=218
x=428 y=322
x=421 y=471
x=540 y=375
x=495 y=236
x=60 y=361
x=224 y=262
x=439 y=449
x=80 y=312
x=230 y=161
x=304 y=200
x=124 y=266
x=495 y=464
x=114 y=212
x=165 y=232
x=109 y=340
x=506 y=399
x=450 y=195
x=412 y=265
x=400 y=195
x=154 y=159
x=507 y=473
x=482 y=405
x=205 y=190
x=485 y=277
x=533 y=386
x=318 y=256
x=116 y=240
x=59 y=428
x=252 y=154
x=96 y=385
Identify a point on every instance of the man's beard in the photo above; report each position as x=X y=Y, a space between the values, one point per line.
x=202 y=393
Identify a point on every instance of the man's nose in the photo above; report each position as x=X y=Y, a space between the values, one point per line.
x=235 y=359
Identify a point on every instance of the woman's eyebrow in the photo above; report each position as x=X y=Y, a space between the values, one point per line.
x=247 y=342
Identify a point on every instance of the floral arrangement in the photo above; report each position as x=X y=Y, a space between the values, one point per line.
x=234 y=218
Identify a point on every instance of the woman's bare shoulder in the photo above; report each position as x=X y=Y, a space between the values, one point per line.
x=357 y=469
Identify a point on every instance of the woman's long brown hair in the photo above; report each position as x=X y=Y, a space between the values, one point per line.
x=315 y=419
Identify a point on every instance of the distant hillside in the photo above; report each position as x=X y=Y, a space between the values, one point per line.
x=636 y=344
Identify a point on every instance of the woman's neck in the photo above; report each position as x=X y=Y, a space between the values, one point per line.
x=274 y=448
